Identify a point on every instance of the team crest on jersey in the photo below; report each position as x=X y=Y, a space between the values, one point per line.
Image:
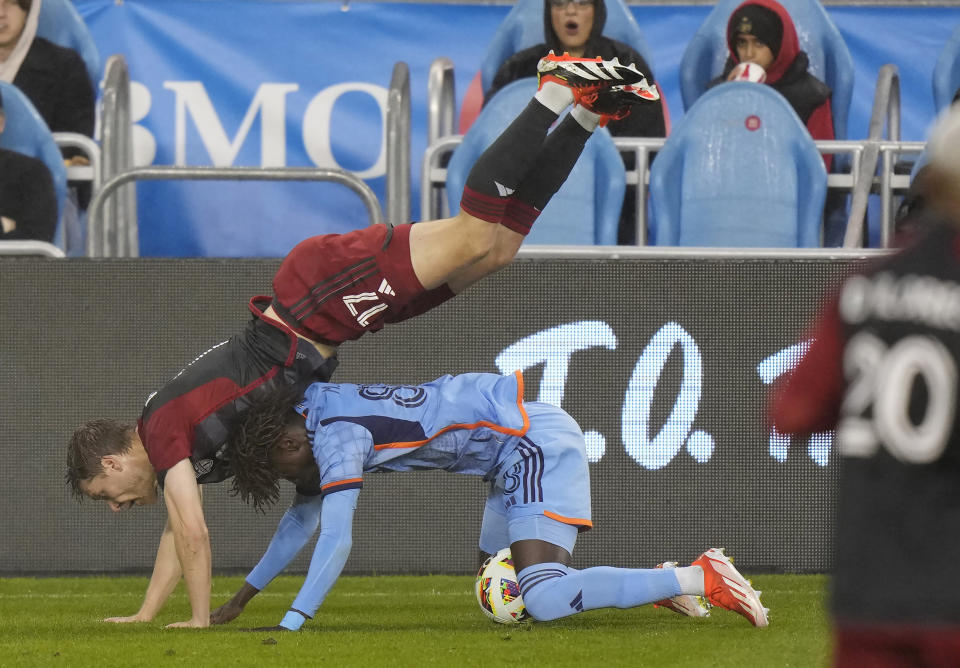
x=202 y=467
x=405 y=396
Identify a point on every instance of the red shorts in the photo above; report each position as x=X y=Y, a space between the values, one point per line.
x=336 y=287
x=890 y=646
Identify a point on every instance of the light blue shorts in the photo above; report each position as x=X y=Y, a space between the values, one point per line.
x=542 y=486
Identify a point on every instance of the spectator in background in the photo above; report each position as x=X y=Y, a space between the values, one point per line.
x=575 y=27
x=28 y=205
x=53 y=77
x=762 y=32
x=882 y=370
x=56 y=81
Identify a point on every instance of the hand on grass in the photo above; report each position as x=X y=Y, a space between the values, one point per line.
x=225 y=613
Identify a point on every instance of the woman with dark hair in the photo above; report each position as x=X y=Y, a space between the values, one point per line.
x=53 y=77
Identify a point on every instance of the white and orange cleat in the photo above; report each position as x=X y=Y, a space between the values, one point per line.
x=683 y=604
x=727 y=589
x=605 y=87
x=580 y=74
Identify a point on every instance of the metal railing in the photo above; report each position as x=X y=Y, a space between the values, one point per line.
x=434 y=174
x=441 y=121
x=549 y=252
x=90 y=150
x=30 y=247
x=398 y=145
x=441 y=100
x=885 y=113
x=96 y=246
x=115 y=233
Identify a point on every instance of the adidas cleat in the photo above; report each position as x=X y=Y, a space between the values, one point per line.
x=614 y=103
x=580 y=73
x=727 y=589
x=683 y=604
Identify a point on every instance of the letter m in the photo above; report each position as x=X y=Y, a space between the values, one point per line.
x=269 y=102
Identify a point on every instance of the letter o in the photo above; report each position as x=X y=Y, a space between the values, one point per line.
x=317 y=131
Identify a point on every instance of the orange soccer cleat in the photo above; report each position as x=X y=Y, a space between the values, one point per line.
x=726 y=588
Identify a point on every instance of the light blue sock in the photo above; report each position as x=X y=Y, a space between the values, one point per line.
x=551 y=591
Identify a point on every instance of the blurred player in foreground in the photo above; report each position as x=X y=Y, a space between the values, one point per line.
x=882 y=370
x=331 y=289
x=533 y=454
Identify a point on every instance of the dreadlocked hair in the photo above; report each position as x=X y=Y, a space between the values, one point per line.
x=251 y=438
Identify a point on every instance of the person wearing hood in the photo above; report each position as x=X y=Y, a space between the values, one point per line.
x=53 y=77
x=762 y=32
x=575 y=27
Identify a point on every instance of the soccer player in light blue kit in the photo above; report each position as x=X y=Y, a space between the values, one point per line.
x=533 y=455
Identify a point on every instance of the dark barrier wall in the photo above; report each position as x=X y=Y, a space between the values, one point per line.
x=665 y=365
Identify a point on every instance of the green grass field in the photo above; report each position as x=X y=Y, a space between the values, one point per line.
x=396 y=621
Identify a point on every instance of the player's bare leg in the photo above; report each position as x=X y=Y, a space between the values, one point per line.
x=439 y=249
x=531 y=552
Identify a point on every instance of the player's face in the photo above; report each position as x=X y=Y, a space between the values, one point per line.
x=12 y=20
x=124 y=483
x=752 y=50
x=572 y=22
x=293 y=458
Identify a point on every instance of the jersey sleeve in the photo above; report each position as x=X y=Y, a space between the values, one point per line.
x=166 y=439
x=808 y=399
x=340 y=449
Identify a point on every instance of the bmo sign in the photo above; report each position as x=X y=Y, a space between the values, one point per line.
x=268 y=109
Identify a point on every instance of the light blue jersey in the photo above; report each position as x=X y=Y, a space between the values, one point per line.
x=533 y=455
x=455 y=423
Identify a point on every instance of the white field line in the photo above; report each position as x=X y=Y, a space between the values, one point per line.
x=263 y=594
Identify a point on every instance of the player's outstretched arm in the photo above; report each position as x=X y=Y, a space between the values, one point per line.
x=166 y=575
x=296 y=527
x=191 y=539
x=329 y=556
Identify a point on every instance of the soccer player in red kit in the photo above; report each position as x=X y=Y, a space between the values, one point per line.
x=882 y=371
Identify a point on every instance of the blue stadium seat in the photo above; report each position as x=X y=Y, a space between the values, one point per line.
x=739 y=170
x=946 y=73
x=830 y=59
x=523 y=28
x=586 y=209
x=60 y=23
x=26 y=132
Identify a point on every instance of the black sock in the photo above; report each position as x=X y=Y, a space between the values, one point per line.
x=553 y=163
x=499 y=170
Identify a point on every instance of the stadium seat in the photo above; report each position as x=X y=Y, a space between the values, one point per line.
x=946 y=73
x=26 y=132
x=738 y=170
x=586 y=209
x=523 y=28
x=830 y=59
x=60 y=23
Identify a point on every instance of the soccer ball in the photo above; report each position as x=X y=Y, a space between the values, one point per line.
x=498 y=591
